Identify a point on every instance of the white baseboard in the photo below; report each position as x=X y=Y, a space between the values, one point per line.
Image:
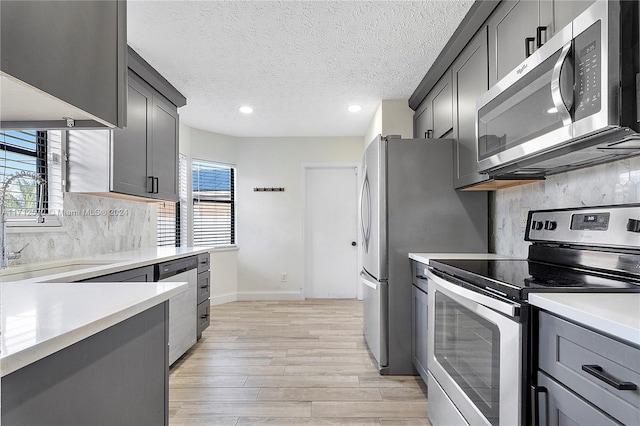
x=219 y=299
x=269 y=295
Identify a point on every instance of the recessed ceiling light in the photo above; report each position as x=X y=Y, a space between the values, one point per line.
x=354 y=108
x=245 y=109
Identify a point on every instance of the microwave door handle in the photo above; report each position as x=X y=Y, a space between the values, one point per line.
x=556 y=93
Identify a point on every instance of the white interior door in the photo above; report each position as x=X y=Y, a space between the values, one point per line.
x=331 y=253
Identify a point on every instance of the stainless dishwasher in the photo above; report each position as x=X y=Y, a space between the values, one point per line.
x=183 y=307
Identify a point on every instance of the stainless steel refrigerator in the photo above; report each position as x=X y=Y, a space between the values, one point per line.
x=408 y=204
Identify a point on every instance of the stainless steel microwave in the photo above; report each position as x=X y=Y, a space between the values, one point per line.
x=573 y=103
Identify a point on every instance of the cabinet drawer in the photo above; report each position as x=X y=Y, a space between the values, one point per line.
x=562 y=407
x=203 y=316
x=203 y=262
x=420 y=275
x=566 y=350
x=203 y=286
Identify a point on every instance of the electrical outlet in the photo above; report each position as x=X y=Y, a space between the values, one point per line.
x=283 y=277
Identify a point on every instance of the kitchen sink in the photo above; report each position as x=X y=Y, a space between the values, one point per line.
x=24 y=272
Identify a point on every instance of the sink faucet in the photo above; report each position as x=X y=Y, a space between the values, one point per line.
x=6 y=255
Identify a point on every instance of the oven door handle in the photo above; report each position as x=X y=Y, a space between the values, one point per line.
x=510 y=309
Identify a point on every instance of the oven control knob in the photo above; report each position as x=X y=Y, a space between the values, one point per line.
x=537 y=225
x=633 y=225
x=550 y=225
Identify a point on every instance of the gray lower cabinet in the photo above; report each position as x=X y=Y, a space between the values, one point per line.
x=119 y=376
x=584 y=377
x=143 y=274
x=204 y=289
x=419 y=318
x=75 y=52
x=470 y=80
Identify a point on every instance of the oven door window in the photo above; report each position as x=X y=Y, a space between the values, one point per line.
x=467 y=346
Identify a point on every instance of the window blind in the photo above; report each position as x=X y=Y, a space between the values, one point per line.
x=37 y=152
x=213 y=190
x=171 y=217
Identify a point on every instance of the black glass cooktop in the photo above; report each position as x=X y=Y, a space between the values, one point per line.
x=516 y=278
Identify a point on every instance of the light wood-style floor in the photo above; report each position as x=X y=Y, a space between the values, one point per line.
x=289 y=363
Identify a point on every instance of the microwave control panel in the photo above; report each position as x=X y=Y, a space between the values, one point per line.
x=588 y=72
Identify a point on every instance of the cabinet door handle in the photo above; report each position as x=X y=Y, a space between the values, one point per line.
x=541 y=29
x=205 y=316
x=156 y=180
x=204 y=286
x=539 y=414
x=429 y=134
x=150 y=181
x=528 y=46
x=599 y=373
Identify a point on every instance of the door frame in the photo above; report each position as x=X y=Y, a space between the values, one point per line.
x=303 y=196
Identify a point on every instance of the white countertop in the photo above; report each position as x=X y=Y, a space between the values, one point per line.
x=616 y=314
x=42 y=312
x=424 y=257
x=39 y=319
x=96 y=265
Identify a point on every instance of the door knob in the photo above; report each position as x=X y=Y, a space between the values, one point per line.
x=353 y=243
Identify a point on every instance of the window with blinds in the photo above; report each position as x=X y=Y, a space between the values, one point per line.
x=171 y=217
x=213 y=193
x=37 y=152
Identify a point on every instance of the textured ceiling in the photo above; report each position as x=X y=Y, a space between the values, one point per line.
x=298 y=64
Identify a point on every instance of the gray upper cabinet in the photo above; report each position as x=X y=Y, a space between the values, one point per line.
x=423 y=119
x=145 y=153
x=164 y=155
x=130 y=158
x=518 y=27
x=509 y=28
x=63 y=59
x=434 y=117
x=470 y=80
x=140 y=160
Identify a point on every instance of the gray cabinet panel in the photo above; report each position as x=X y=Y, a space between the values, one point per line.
x=434 y=117
x=143 y=274
x=203 y=317
x=564 y=348
x=164 y=154
x=203 y=286
x=119 y=376
x=470 y=80
x=443 y=106
x=72 y=50
x=509 y=26
x=419 y=331
x=564 y=12
x=560 y=407
x=423 y=119
x=129 y=145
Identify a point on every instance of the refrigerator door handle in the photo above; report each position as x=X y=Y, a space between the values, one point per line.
x=364 y=278
x=365 y=228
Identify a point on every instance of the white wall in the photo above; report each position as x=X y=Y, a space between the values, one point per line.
x=203 y=145
x=270 y=223
x=393 y=117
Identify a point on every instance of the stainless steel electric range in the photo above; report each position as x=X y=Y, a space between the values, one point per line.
x=480 y=329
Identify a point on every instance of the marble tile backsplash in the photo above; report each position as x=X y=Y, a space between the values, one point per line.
x=612 y=183
x=90 y=225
